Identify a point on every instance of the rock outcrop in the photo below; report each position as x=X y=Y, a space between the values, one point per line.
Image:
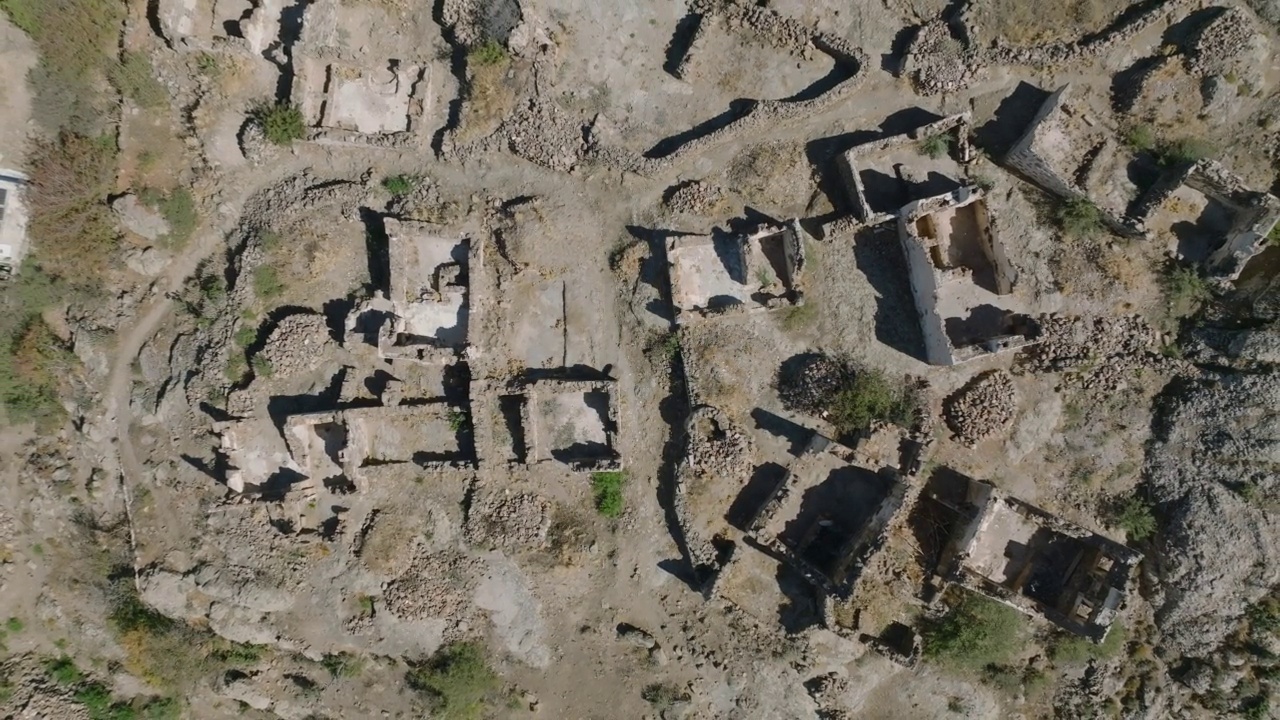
x=1214 y=462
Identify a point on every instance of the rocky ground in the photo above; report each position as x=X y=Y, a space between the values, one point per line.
x=247 y=277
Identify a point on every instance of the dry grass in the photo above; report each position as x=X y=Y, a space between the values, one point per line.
x=490 y=98
x=390 y=544
x=1019 y=22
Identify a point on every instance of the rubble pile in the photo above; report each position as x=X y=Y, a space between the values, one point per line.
x=807 y=383
x=694 y=197
x=1098 y=353
x=983 y=408
x=1216 y=49
x=545 y=135
x=716 y=447
x=298 y=343
x=937 y=62
x=509 y=520
x=437 y=585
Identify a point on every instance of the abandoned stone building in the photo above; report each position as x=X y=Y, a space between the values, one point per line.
x=883 y=175
x=1207 y=216
x=572 y=422
x=1021 y=555
x=13 y=222
x=387 y=103
x=424 y=314
x=960 y=278
x=724 y=273
x=827 y=514
x=1076 y=155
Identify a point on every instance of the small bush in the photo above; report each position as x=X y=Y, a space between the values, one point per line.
x=343 y=664
x=869 y=396
x=1075 y=650
x=606 y=488
x=459 y=421
x=1135 y=516
x=262 y=367
x=1140 y=137
x=457 y=682
x=63 y=671
x=245 y=335
x=798 y=317
x=208 y=65
x=662 y=696
x=133 y=76
x=179 y=210
x=266 y=282
x=1184 y=151
x=1184 y=291
x=1079 y=218
x=935 y=146
x=282 y=123
x=975 y=634
x=399 y=185
x=1264 y=615
x=489 y=52
x=14 y=625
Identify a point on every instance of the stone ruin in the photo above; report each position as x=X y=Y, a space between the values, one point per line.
x=828 y=513
x=1209 y=217
x=424 y=314
x=959 y=275
x=883 y=175
x=960 y=278
x=250 y=26
x=566 y=421
x=1205 y=214
x=1020 y=555
x=387 y=104
x=718 y=274
x=1077 y=156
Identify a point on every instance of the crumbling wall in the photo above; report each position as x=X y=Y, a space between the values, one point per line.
x=924 y=288
x=1028 y=158
x=956 y=125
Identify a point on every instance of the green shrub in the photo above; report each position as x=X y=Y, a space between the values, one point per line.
x=343 y=664
x=63 y=671
x=1070 y=649
x=245 y=335
x=1184 y=291
x=798 y=317
x=489 y=52
x=133 y=76
x=935 y=146
x=208 y=65
x=975 y=634
x=457 y=682
x=869 y=396
x=1184 y=151
x=34 y=364
x=179 y=210
x=459 y=421
x=1140 y=137
x=282 y=123
x=262 y=367
x=1135 y=516
x=14 y=625
x=266 y=282
x=400 y=185
x=1264 y=615
x=606 y=489
x=1078 y=217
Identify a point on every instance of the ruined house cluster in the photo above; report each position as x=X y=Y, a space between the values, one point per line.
x=1203 y=213
x=406 y=408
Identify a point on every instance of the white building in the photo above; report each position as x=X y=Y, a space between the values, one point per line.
x=13 y=221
